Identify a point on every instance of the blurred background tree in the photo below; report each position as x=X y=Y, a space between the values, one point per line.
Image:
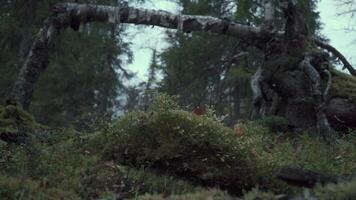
x=86 y=73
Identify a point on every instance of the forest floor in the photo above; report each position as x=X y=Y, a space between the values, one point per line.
x=168 y=153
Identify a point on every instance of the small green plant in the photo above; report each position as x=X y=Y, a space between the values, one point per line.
x=163 y=102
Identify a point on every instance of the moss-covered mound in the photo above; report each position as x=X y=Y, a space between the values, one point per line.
x=15 y=124
x=343 y=85
x=198 y=149
x=167 y=153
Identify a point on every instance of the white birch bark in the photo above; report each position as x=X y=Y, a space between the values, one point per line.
x=187 y=23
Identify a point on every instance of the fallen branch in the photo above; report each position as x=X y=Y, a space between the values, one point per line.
x=73 y=15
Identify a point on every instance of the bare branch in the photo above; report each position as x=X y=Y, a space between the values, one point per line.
x=337 y=53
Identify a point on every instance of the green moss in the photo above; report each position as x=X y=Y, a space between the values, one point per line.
x=16 y=122
x=128 y=182
x=194 y=148
x=168 y=154
x=66 y=164
x=340 y=191
x=256 y=194
x=163 y=102
x=12 y=188
x=343 y=85
x=305 y=151
x=203 y=195
x=12 y=116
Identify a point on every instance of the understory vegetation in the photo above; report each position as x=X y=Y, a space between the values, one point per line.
x=167 y=153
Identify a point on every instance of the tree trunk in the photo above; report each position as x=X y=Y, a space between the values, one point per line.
x=293 y=82
x=35 y=63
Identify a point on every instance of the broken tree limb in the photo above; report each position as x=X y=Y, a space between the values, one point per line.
x=337 y=53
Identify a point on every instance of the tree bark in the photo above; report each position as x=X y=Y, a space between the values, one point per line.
x=35 y=63
x=285 y=89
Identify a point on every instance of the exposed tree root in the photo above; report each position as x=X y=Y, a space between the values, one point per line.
x=319 y=101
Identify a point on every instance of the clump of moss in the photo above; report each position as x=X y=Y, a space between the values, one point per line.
x=183 y=144
x=24 y=188
x=190 y=147
x=343 y=85
x=16 y=124
x=12 y=116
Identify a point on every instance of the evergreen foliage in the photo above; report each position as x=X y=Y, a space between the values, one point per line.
x=86 y=71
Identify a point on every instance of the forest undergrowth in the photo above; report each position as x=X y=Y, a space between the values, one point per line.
x=168 y=153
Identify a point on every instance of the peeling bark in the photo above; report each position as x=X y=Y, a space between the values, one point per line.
x=85 y=13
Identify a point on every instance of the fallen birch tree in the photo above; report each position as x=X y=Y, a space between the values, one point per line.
x=296 y=80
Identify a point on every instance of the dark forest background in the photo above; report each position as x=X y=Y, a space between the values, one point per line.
x=87 y=79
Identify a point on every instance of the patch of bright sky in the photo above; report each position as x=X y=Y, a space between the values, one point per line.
x=334 y=29
x=144 y=38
